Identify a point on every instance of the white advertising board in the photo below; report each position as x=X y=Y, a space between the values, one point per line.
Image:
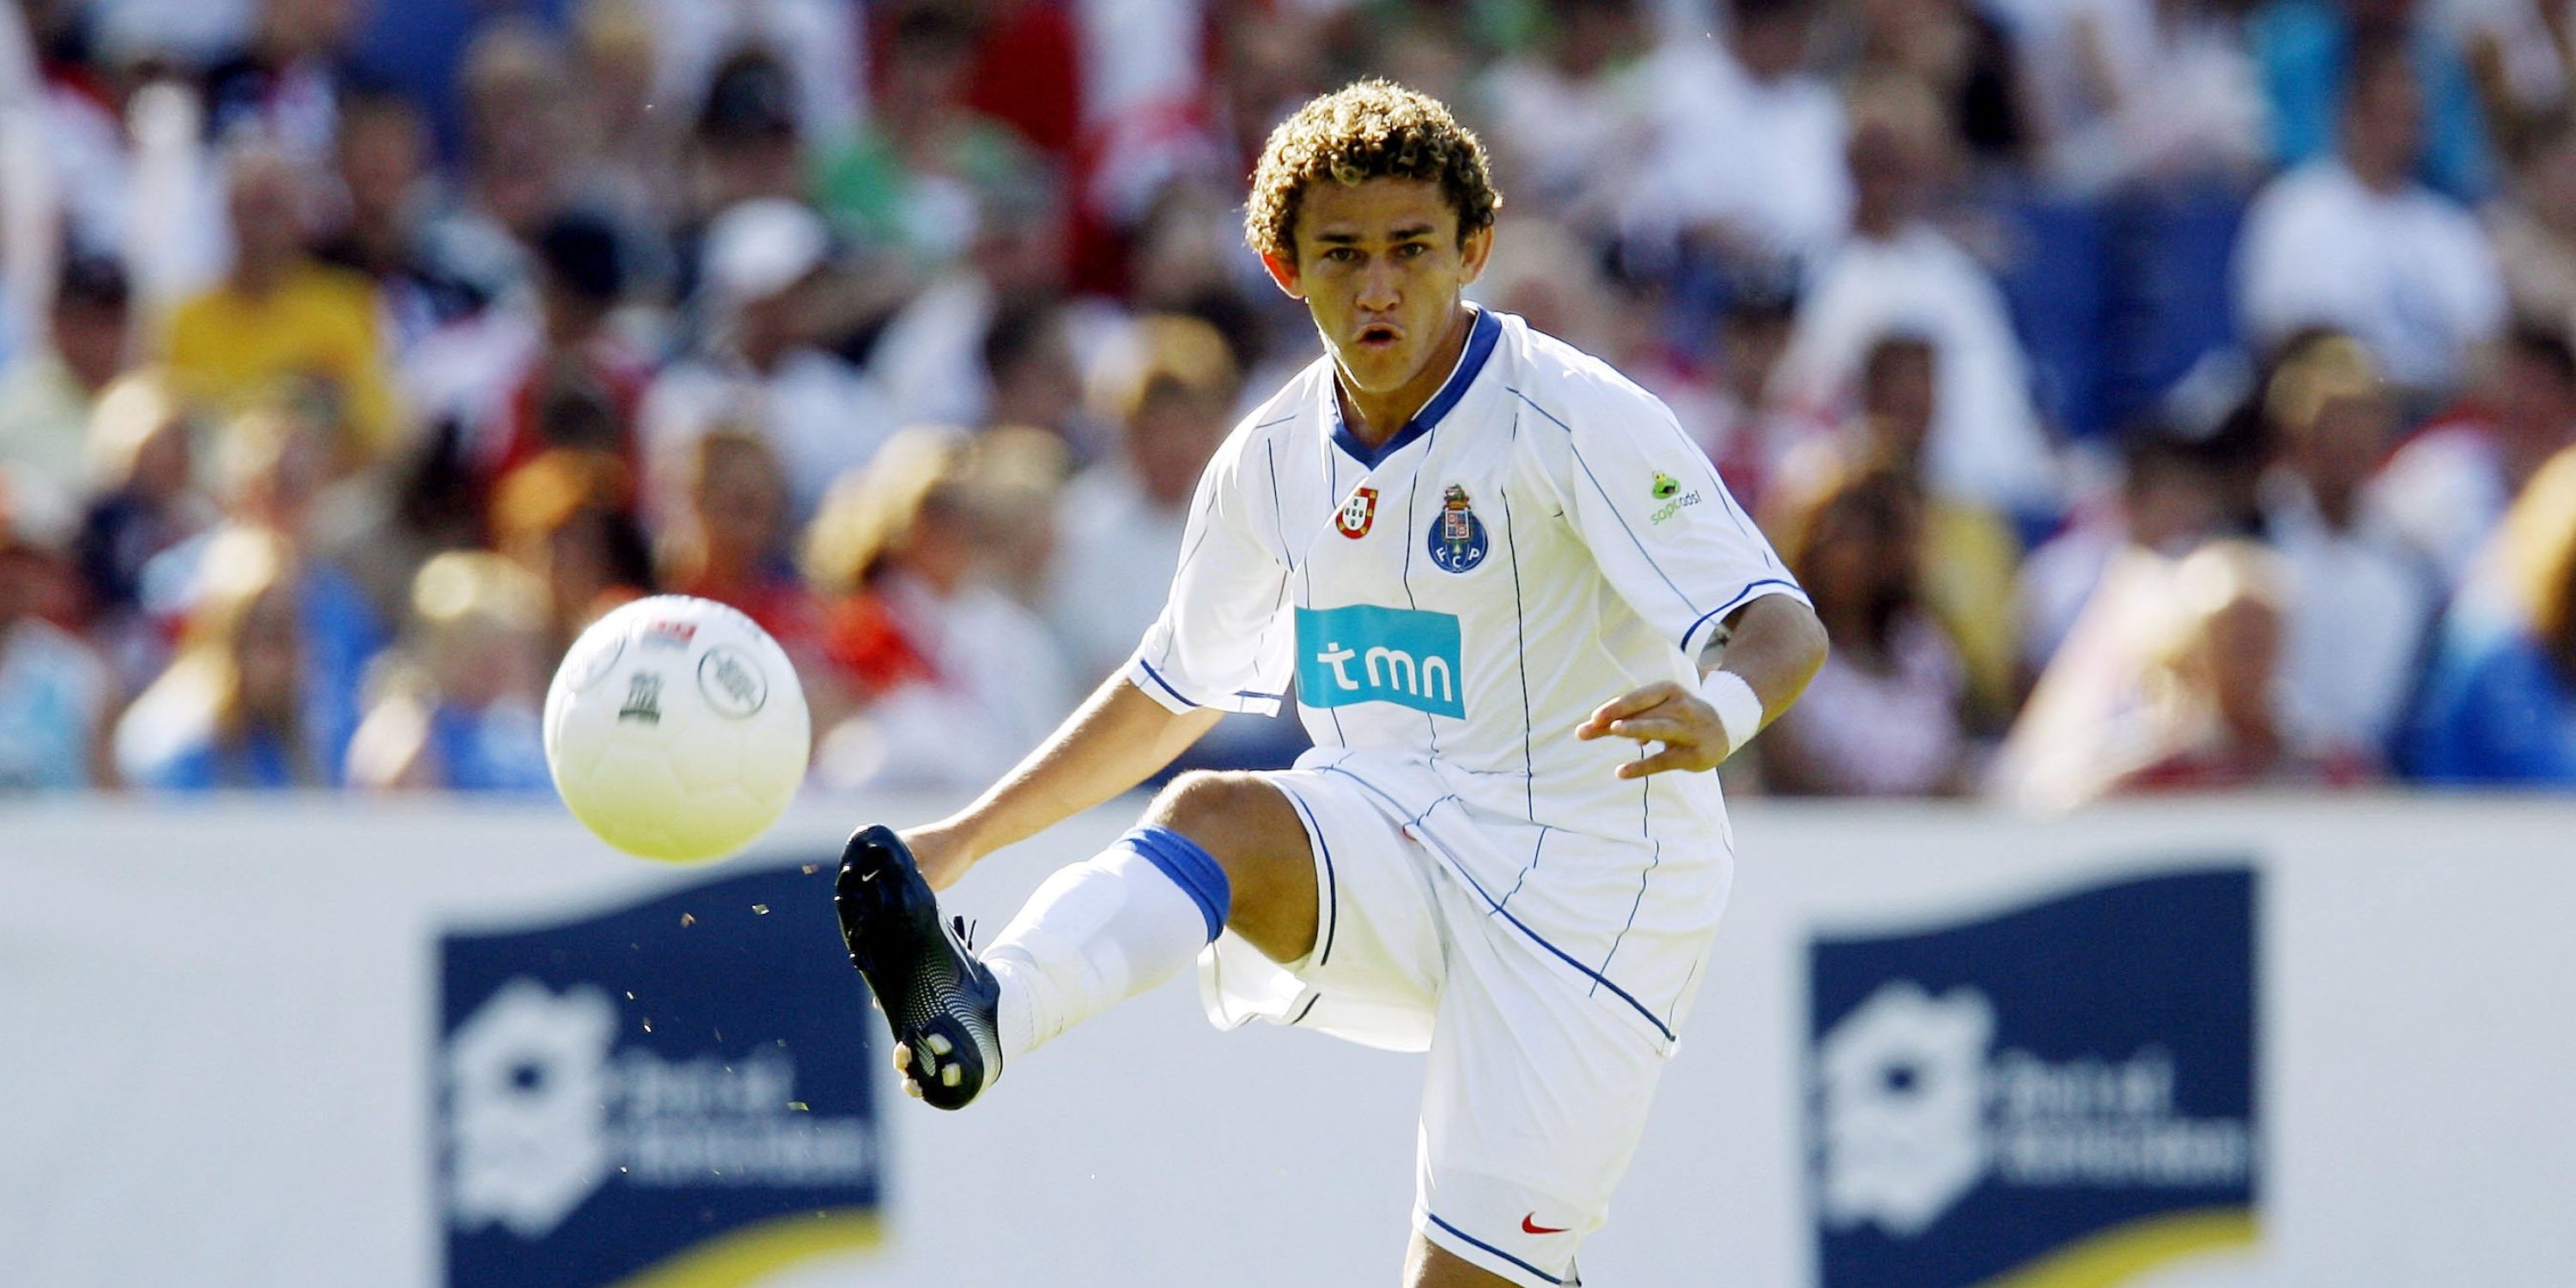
x=2256 y=1042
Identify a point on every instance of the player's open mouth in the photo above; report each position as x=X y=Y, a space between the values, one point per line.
x=1378 y=337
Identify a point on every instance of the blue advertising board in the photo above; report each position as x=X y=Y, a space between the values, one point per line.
x=674 y=1093
x=2059 y=1094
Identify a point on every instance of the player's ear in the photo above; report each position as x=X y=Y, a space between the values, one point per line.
x=1284 y=272
x=1472 y=251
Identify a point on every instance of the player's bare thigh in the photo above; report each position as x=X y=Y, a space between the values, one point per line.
x=1428 y=1265
x=1255 y=835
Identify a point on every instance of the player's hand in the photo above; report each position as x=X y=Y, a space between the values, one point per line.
x=1666 y=713
x=942 y=850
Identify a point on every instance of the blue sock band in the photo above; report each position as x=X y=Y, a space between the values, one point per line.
x=1190 y=867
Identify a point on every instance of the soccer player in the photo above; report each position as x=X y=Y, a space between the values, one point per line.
x=1503 y=582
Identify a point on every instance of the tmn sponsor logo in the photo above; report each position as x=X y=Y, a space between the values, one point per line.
x=680 y=1082
x=2041 y=1094
x=1363 y=653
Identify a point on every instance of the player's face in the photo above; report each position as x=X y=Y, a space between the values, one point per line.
x=1380 y=265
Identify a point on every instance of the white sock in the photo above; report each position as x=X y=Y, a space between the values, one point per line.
x=1094 y=934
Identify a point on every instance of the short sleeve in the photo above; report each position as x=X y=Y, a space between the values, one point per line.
x=1219 y=642
x=1660 y=523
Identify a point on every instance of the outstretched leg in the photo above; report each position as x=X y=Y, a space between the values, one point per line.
x=1214 y=850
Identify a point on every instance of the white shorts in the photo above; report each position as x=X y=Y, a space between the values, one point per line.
x=1537 y=1090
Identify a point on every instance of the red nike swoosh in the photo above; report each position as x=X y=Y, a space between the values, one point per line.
x=1530 y=1225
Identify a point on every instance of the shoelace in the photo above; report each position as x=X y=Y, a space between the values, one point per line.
x=965 y=931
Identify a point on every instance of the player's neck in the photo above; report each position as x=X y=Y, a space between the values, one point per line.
x=1373 y=419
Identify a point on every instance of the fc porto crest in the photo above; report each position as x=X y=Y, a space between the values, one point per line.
x=1357 y=514
x=1457 y=536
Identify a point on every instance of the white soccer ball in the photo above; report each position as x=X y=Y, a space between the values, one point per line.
x=676 y=729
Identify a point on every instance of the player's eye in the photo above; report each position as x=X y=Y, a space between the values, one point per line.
x=1341 y=254
x=1411 y=249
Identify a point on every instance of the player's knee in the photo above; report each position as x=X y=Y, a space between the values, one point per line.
x=1242 y=821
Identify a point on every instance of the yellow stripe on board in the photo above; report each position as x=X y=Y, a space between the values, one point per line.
x=2124 y=1252
x=752 y=1253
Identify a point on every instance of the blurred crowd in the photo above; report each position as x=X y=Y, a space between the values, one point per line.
x=2152 y=394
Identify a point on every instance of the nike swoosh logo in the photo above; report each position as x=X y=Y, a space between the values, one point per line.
x=1530 y=1225
x=867 y=876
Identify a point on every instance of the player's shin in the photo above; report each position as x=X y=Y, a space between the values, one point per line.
x=1103 y=930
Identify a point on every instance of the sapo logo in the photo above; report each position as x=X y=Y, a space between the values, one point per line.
x=1363 y=653
x=528 y=1107
x=2041 y=1093
x=1903 y=1082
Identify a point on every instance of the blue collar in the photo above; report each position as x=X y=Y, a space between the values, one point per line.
x=1481 y=336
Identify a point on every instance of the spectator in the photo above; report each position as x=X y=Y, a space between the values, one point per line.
x=232 y=709
x=1958 y=52
x=1742 y=425
x=2157 y=91
x=547 y=372
x=2534 y=227
x=1020 y=475
x=734 y=546
x=2500 y=705
x=2447 y=489
x=955 y=680
x=631 y=151
x=1170 y=388
x=460 y=712
x=1969 y=552
x=55 y=694
x=2352 y=242
x=763 y=370
x=272 y=465
x=143 y=452
x=821 y=46
x=281 y=315
x=48 y=389
x=386 y=193
x=1883 y=718
x=2167 y=504
x=2357 y=601
x=2213 y=718
x=930 y=358
x=1568 y=116
x=907 y=186
x=1747 y=157
x=2312 y=54
x=1896 y=272
x=1028 y=361
x=748 y=145
x=285 y=85
x=2518 y=54
x=568 y=517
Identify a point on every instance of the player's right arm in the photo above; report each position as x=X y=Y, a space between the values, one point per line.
x=1118 y=739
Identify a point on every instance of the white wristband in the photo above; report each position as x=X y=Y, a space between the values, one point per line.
x=1738 y=707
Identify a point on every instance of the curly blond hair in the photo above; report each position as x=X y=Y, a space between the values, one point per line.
x=1371 y=129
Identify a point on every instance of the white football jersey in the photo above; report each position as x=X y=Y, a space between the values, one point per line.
x=1541 y=538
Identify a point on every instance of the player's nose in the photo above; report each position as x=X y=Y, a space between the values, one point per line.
x=1379 y=290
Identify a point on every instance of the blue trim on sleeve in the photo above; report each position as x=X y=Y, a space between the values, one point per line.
x=1167 y=685
x=1481 y=337
x=1434 y=1218
x=1745 y=596
x=1190 y=867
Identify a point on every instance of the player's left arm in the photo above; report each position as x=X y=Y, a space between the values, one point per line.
x=1751 y=673
x=1669 y=538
